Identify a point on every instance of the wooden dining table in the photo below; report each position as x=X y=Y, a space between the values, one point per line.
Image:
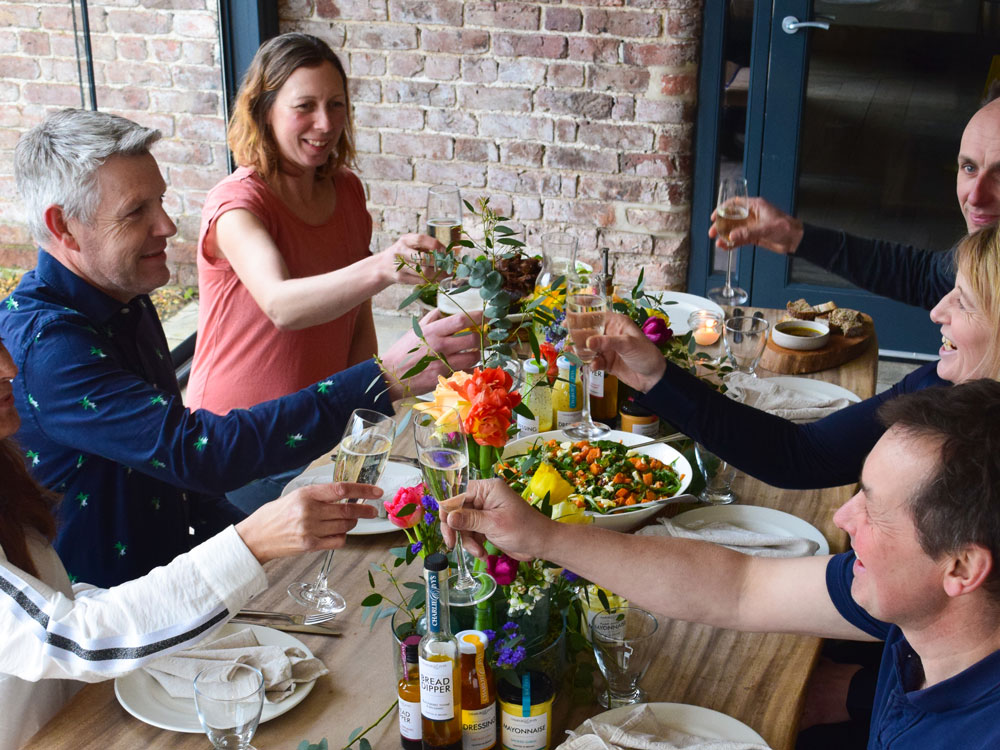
x=757 y=678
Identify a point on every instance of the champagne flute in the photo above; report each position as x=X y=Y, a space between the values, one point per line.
x=731 y=212
x=444 y=214
x=361 y=457
x=586 y=308
x=443 y=453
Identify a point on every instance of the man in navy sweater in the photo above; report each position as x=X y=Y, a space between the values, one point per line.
x=922 y=575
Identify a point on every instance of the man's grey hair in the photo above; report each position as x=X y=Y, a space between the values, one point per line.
x=56 y=162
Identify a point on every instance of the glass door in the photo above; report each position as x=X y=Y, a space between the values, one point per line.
x=857 y=127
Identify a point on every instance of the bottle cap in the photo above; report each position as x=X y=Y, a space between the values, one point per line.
x=411 y=649
x=534 y=367
x=563 y=363
x=437 y=561
x=467 y=640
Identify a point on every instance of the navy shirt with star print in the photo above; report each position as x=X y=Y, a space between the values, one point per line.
x=102 y=424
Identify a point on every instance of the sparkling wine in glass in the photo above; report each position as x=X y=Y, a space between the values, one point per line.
x=361 y=457
x=586 y=308
x=442 y=450
x=732 y=211
x=444 y=214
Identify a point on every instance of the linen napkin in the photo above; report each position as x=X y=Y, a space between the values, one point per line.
x=283 y=668
x=641 y=730
x=775 y=399
x=734 y=537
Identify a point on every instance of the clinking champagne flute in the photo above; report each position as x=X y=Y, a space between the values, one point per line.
x=586 y=310
x=361 y=457
x=443 y=453
x=444 y=214
x=732 y=211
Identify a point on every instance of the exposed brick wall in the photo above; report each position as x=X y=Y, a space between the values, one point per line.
x=155 y=62
x=570 y=115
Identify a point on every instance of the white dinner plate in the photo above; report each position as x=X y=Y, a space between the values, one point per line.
x=685 y=304
x=696 y=720
x=396 y=475
x=142 y=696
x=759 y=519
x=815 y=388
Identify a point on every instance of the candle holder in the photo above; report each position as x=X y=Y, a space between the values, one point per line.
x=706 y=326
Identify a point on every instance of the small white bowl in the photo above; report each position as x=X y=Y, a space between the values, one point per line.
x=782 y=334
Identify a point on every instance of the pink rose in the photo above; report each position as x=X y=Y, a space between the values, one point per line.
x=502 y=568
x=405 y=496
x=656 y=330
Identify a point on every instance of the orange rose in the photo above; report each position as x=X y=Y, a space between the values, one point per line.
x=488 y=391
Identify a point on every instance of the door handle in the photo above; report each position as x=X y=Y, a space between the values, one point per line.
x=790 y=24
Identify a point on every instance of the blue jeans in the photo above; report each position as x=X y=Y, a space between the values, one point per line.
x=251 y=496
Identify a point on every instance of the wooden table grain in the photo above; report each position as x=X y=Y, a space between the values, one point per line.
x=757 y=678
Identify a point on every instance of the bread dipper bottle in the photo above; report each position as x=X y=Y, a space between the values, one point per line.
x=440 y=679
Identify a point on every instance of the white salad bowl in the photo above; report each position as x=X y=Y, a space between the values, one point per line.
x=622 y=520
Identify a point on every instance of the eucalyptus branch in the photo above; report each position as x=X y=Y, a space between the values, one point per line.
x=364 y=744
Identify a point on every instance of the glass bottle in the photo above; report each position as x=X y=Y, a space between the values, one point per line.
x=440 y=679
x=538 y=398
x=409 y=695
x=566 y=402
x=558 y=259
x=604 y=386
x=639 y=419
x=479 y=710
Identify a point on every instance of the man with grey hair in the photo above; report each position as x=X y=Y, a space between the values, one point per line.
x=102 y=418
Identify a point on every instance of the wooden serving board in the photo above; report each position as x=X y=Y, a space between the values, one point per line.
x=840 y=349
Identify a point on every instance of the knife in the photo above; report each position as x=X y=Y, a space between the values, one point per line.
x=287 y=627
x=737 y=336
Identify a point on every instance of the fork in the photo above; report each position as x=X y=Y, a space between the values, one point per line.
x=314 y=619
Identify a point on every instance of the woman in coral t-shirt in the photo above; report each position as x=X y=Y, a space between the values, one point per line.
x=284 y=269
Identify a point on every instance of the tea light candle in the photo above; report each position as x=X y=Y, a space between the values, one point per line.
x=706 y=326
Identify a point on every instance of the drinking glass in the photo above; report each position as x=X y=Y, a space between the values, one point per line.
x=586 y=309
x=745 y=341
x=731 y=211
x=361 y=457
x=625 y=640
x=229 y=698
x=443 y=453
x=718 y=474
x=444 y=214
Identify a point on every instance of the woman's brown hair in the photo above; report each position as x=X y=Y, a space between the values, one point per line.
x=24 y=505
x=250 y=137
x=978 y=258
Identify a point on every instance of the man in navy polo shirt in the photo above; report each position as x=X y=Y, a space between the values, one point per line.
x=922 y=576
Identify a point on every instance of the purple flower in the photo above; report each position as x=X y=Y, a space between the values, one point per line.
x=509 y=626
x=416 y=547
x=429 y=502
x=490 y=634
x=656 y=330
x=569 y=575
x=429 y=519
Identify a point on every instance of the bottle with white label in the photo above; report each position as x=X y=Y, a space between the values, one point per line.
x=409 y=695
x=538 y=398
x=526 y=724
x=567 y=394
x=440 y=679
x=479 y=708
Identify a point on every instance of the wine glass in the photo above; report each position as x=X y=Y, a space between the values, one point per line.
x=361 y=457
x=586 y=309
x=443 y=453
x=745 y=340
x=732 y=211
x=444 y=214
x=229 y=698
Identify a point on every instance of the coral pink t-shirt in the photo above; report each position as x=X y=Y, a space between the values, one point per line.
x=241 y=358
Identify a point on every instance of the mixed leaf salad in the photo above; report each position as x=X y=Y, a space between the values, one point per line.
x=597 y=476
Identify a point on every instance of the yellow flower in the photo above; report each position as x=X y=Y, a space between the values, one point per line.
x=567 y=512
x=447 y=401
x=547 y=480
